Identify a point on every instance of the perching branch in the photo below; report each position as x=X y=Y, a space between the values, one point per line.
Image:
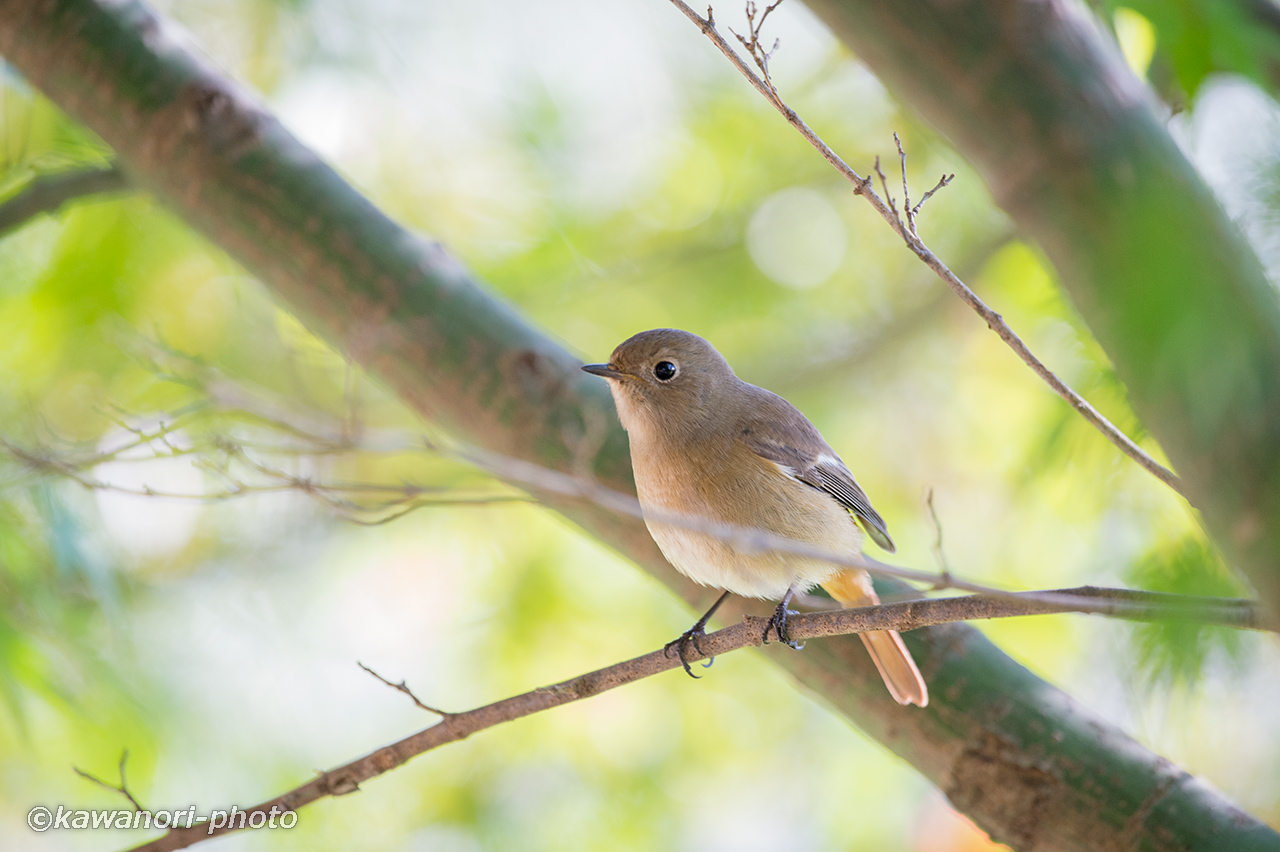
x=901 y=616
x=888 y=211
x=47 y=193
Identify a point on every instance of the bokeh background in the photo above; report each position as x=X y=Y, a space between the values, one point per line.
x=606 y=171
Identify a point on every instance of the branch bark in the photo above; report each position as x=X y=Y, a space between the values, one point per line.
x=1021 y=757
x=48 y=193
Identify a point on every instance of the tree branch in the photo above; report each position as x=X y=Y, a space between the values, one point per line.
x=123 y=789
x=888 y=211
x=47 y=193
x=901 y=616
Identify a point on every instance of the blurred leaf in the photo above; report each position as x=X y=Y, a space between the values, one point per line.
x=1196 y=38
x=1178 y=653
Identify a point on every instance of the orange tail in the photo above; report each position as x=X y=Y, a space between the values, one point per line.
x=853 y=589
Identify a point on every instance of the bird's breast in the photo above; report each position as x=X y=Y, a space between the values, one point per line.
x=726 y=488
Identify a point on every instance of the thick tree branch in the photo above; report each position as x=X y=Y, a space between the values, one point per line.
x=902 y=616
x=907 y=230
x=403 y=308
x=47 y=193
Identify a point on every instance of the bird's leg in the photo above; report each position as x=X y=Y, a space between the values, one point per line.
x=691 y=637
x=778 y=621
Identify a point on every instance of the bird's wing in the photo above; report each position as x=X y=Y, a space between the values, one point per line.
x=785 y=437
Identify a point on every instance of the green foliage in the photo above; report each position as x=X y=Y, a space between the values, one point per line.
x=1178 y=653
x=1197 y=38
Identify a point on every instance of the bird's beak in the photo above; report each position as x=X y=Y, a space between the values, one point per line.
x=602 y=370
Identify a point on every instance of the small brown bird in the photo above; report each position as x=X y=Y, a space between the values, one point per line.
x=706 y=444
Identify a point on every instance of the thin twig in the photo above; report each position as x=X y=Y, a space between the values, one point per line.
x=863 y=186
x=47 y=193
x=752 y=44
x=902 y=616
x=402 y=686
x=123 y=789
x=944 y=181
x=906 y=191
x=397 y=500
x=893 y=206
x=943 y=566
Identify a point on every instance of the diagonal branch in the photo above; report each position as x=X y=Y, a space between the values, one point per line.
x=902 y=616
x=888 y=211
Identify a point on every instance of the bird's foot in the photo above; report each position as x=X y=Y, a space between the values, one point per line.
x=690 y=639
x=778 y=624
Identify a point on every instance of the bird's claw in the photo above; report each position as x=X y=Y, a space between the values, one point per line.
x=692 y=637
x=778 y=624
x=682 y=643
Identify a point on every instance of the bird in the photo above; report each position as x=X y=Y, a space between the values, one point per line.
x=709 y=446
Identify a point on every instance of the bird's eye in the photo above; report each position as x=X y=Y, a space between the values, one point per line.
x=665 y=371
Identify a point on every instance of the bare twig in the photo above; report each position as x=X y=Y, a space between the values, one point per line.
x=906 y=192
x=752 y=43
x=913 y=212
x=943 y=566
x=943 y=181
x=902 y=616
x=47 y=193
x=123 y=789
x=402 y=686
x=377 y=503
x=863 y=186
x=893 y=206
